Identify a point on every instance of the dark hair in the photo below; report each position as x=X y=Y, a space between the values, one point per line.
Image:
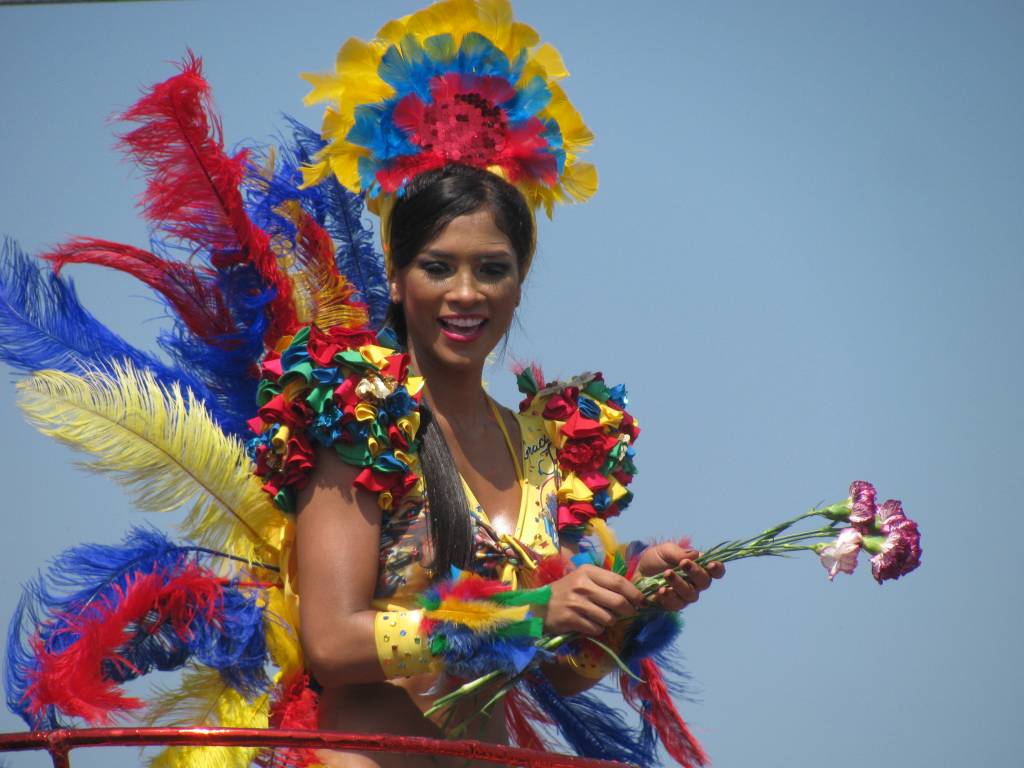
x=427 y=205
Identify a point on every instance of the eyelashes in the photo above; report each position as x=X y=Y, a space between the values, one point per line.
x=441 y=270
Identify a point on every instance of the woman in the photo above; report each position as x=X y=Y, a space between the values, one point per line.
x=453 y=126
x=461 y=240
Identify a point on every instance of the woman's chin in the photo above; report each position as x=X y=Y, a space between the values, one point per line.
x=458 y=354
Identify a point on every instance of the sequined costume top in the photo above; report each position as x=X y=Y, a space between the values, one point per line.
x=404 y=558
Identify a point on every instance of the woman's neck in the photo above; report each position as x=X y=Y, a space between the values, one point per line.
x=455 y=395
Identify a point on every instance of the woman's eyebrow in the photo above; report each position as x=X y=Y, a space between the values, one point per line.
x=496 y=253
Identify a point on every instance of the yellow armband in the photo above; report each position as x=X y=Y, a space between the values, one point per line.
x=590 y=661
x=401 y=645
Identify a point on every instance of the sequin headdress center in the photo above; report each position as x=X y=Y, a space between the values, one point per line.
x=457 y=82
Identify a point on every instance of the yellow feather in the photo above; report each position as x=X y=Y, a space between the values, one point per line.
x=521 y=36
x=580 y=181
x=282 y=628
x=344 y=163
x=357 y=53
x=599 y=528
x=321 y=296
x=478 y=616
x=392 y=31
x=325 y=87
x=496 y=22
x=164 y=448
x=204 y=700
x=550 y=60
x=314 y=174
x=337 y=122
x=574 y=131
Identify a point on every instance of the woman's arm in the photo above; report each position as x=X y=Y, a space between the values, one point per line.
x=337 y=554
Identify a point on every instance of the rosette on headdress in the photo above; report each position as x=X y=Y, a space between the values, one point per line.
x=458 y=82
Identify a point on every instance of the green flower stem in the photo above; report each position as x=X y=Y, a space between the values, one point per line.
x=463 y=691
x=769 y=543
x=614 y=657
x=548 y=644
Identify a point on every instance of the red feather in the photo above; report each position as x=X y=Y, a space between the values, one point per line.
x=197 y=301
x=315 y=249
x=520 y=716
x=469 y=586
x=72 y=679
x=548 y=570
x=332 y=292
x=193 y=184
x=295 y=707
x=661 y=713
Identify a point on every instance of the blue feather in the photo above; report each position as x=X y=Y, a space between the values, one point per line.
x=375 y=129
x=591 y=728
x=441 y=49
x=236 y=643
x=408 y=69
x=529 y=100
x=19 y=663
x=44 y=325
x=470 y=655
x=479 y=56
x=227 y=366
x=78 y=577
x=87 y=572
x=649 y=636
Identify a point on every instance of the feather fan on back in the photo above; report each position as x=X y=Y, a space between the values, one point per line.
x=237 y=280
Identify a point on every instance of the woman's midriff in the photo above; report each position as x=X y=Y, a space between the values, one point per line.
x=397 y=706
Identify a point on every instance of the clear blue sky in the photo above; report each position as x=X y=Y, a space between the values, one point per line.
x=805 y=260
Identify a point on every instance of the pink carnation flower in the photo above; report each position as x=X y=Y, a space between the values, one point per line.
x=901 y=551
x=862 y=503
x=841 y=554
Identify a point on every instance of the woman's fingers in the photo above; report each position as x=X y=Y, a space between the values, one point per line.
x=669 y=600
x=592 y=618
x=697 y=576
x=611 y=582
x=590 y=599
x=686 y=590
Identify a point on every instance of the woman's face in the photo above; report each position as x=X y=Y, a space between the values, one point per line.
x=459 y=293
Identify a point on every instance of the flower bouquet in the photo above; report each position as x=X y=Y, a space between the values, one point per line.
x=843 y=529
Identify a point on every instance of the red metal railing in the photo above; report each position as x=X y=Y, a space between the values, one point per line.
x=59 y=744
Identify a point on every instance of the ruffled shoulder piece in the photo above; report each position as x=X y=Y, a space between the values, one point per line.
x=593 y=436
x=343 y=389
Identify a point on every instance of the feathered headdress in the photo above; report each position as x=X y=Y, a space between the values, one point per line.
x=458 y=82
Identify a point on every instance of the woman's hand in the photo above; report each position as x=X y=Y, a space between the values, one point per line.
x=589 y=600
x=678 y=592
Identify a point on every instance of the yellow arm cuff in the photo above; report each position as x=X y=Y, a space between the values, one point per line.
x=401 y=646
x=590 y=661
